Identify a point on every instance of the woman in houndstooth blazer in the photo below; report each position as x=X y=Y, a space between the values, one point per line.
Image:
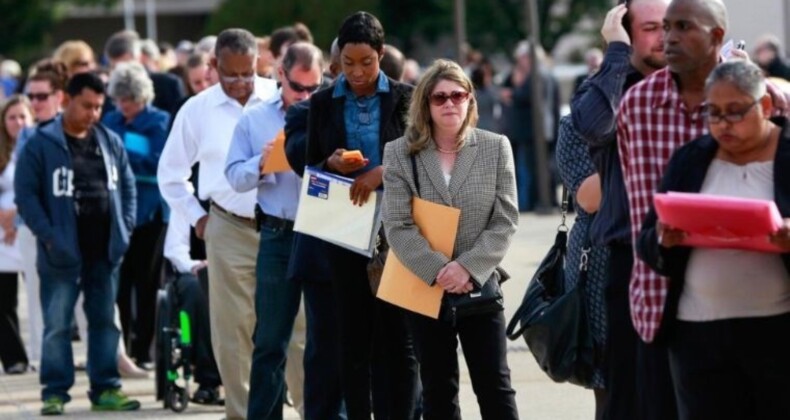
x=460 y=166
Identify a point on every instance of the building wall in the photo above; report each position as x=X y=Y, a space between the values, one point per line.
x=749 y=19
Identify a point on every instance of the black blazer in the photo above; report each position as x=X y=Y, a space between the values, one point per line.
x=168 y=92
x=327 y=129
x=686 y=173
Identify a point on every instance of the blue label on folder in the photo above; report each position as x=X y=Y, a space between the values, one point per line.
x=318 y=187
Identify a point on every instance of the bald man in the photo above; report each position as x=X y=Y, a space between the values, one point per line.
x=655 y=118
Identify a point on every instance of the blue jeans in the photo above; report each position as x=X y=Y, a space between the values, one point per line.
x=276 y=305
x=98 y=282
x=526 y=186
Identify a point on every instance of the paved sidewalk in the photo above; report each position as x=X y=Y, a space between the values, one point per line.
x=538 y=398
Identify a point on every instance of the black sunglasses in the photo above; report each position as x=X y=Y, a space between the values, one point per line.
x=39 y=96
x=300 y=88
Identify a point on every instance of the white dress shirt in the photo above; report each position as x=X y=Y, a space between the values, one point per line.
x=177 y=244
x=278 y=193
x=201 y=133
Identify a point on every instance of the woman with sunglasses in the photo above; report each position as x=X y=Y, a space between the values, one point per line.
x=15 y=114
x=363 y=111
x=728 y=310
x=444 y=159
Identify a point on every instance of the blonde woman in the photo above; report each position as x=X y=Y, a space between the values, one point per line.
x=460 y=166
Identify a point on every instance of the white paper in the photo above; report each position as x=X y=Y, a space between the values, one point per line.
x=326 y=212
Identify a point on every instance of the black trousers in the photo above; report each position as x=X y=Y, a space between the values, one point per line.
x=323 y=390
x=483 y=342
x=12 y=350
x=193 y=299
x=360 y=314
x=139 y=282
x=639 y=385
x=732 y=369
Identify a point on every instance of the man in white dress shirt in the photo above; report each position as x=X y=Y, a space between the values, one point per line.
x=201 y=133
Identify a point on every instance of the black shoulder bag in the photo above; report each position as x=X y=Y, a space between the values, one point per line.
x=480 y=300
x=552 y=320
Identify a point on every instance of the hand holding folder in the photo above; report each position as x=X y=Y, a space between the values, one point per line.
x=276 y=161
x=399 y=286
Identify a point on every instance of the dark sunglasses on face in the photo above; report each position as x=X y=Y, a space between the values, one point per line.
x=43 y=96
x=299 y=88
x=439 y=98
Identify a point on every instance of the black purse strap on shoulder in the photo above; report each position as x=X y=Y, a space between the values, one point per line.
x=416 y=177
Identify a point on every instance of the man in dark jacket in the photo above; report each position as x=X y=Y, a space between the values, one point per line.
x=75 y=190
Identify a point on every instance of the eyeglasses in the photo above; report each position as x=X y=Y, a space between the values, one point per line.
x=234 y=79
x=300 y=88
x=457 y=96
x=730 y=117
x=43 y=96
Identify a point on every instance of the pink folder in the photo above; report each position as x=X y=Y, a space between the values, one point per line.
x=714 y=221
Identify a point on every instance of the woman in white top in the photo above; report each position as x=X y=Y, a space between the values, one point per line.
x=15 y=114
x=728 y=311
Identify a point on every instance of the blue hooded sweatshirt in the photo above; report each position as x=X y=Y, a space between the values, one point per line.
x=44 y=197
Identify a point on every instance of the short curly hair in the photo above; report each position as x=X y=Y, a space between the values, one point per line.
x=131 y=81
x=361 y=28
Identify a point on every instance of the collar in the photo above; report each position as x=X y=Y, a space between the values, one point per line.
x=342 y=88
x=262 y=90
x=667 y=94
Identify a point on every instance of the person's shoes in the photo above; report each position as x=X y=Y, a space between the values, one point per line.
x=128 y=369
x=53 y=406
x=114 y=400
x=17 y=368
x=146 y=366
x=207 y=395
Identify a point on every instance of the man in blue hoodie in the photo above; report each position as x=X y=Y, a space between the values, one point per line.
x=75 y=190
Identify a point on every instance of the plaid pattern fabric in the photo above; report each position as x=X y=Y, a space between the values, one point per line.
x=652 y=123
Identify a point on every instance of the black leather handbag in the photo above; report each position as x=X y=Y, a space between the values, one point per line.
x=553 y=320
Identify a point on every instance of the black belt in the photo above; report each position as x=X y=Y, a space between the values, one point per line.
x=272 y=222
x=249 y=221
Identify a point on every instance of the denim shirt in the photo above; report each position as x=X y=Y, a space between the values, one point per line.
x=362 y=117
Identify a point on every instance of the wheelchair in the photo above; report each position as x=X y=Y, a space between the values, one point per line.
x=173 y=347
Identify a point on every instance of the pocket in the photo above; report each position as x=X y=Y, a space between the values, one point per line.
x=59 y=255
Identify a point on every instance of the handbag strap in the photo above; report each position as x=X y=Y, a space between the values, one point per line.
x=416 y=177
x=564 y=210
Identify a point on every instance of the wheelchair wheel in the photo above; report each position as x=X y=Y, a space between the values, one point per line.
x=178 y=398
x=163 y=346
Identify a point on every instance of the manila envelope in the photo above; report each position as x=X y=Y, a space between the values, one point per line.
x=277 y=162
x=399 y=286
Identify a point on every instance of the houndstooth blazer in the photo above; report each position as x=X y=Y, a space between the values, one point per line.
x=482 y=185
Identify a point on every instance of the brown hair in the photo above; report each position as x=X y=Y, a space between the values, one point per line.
x=52 y=71
x=72 y=52
x=419 y=126
x=7 y=144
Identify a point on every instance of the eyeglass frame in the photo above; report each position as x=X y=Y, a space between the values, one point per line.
x=457 y=97
x=234 y=79
x=730 y=117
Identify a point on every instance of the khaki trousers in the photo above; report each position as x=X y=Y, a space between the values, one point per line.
x=232 y=248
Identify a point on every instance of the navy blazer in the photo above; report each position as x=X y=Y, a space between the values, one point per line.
x=686 y=173
x=326 y=124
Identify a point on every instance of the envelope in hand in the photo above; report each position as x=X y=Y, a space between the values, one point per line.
x=276 y=161
x=399 y=286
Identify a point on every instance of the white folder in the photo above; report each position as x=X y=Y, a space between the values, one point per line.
x=326 y=212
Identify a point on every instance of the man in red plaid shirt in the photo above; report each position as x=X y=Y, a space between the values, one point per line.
x=659 y=115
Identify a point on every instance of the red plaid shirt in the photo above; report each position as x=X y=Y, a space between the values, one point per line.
x=652 y=123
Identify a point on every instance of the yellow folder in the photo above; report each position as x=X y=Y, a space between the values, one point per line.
x=277 y=162
x=399 y=286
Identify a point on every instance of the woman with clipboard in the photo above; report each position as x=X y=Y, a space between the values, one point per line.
x=362 y=111
x=728 y=310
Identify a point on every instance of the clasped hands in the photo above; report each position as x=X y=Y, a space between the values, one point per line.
x=454 y=278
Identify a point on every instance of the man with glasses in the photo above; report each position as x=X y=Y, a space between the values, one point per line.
x=657 y=116
x=277 y=298
x=202 y=133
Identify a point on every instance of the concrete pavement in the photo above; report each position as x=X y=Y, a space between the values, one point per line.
x=537 y=397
